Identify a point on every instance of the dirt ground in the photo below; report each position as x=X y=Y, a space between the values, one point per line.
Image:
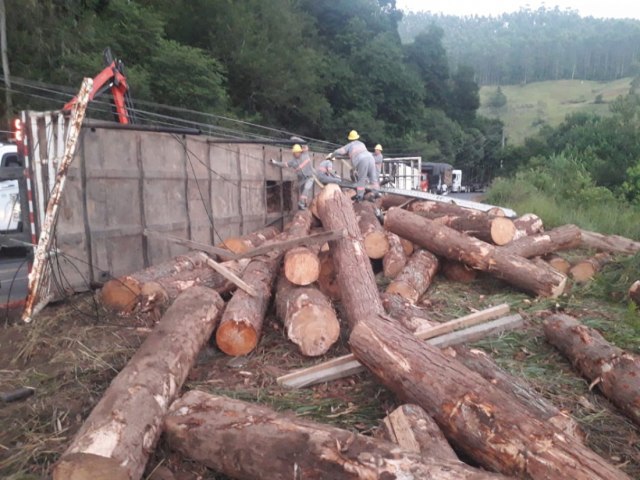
x=73 y=350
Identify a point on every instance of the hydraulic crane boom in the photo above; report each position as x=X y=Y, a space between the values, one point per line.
x=112 y=77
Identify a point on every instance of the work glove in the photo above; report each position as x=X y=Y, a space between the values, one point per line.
x=329 y=157
x=273 y=160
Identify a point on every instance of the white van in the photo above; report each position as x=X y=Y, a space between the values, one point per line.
x=10 y=214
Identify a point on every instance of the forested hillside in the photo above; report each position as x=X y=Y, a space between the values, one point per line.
x=535 y=45
x=315 y=67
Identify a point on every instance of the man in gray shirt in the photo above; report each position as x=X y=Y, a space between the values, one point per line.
x=301 y=163
x=362 y=161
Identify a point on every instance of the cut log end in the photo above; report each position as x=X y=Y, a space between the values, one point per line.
x=376 y=244
x=301 y=266
x=83 y=466
x=120 y=295
x=314 y=329
x=458 y=272
x=236 y=245
x=503 y=230
x=407 y=246
x=558 y=263
x=236 y=338
x=634 y=292
x=403 y=289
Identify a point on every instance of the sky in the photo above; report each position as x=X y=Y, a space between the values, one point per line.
x=594 y=8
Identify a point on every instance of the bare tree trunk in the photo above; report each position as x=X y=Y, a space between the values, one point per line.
x=123 y=428
x=449 y=243
x=613 y=370
x=248 y=441
x=5 y=60
x=416 y=276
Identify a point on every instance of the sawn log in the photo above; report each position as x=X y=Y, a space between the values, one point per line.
x=395 y=259
x=416 y=277
x=609 y=243
x=374 y=237
x=252 y=240
x=123 y=428
x=562 y=238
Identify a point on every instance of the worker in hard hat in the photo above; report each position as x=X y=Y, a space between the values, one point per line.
x=377 y=157
x=362 y=161
x=301 y=163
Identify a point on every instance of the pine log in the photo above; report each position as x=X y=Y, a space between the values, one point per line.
x=416 y=276
x=309 y=319
x=248 y=441
x=241 y=324
x=609 y=243
x=327 y=279
x=124 y=427
x=477 y=418
x=559 y=263
x=395 y=259
x=634 y=292
x=449 y=243
x=389 y=200
x=458 y=271
x=301 y=264
x=407 y=246
x=407 y=314
x=496 y=212
x=359 y=294
x=498 y=230
x=159 y=285
x=481 y=363
x=565 y=237
x=613 y=370
x=527 y=224
x=584 y=270
x=374 y=237
x=252 y=240
x=413 y=430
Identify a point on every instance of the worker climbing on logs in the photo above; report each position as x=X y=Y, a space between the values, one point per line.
x=377 y=157
x=325 y=172
x=362 y=161
x=301 y=163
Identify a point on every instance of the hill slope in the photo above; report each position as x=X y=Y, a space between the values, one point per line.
x=533 y=105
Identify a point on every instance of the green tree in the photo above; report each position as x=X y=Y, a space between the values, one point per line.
x=497 y=99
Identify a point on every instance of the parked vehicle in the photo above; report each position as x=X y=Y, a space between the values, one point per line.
x=440 y=177
x=10 y=213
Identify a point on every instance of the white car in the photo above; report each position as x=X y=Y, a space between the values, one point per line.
x=10 y=213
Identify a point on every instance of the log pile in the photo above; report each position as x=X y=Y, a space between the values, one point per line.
x=459 y=396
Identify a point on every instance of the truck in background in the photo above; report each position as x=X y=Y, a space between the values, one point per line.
x=439 y=176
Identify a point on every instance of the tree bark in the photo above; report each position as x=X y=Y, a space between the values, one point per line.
x=584 y=270
x=498 y=230
x=395 y=259
x=252 y=240
x=609 y=243
x=449 y=243
x=407 y=246
x=241 y=324
x=496 y=212
x=613 y=370
x=561 y=238
x=389 y=200
x=123 y=428
x=527 y=224
x=413 y=430
x=634 y=292
x=159 y=285
x=416 y=276
x=359 y=294
x=408 y=315
x=481 y=363
x=309 y=319
x=475 y=416
x=327 y=277
x=373 y=235
x=458 y=271
x=248 y=441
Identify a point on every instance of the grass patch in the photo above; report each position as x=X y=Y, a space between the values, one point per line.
x=532 y=105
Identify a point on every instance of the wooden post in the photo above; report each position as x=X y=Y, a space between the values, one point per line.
x=308 y=317
x=416 y=276
x=614 y=371
x=449 y=243
x=124 y=427
x=249 y=441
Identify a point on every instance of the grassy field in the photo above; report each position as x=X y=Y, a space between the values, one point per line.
x=533 y=105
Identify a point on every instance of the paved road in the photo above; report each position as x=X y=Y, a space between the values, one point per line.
x=12 y=265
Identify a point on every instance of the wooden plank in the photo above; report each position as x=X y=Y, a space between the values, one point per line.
x=210 y=249
x=346 y=365
x=314 y=239
x=229 y=275
x=466 y=321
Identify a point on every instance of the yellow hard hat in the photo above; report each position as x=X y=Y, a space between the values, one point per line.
x=296 y=148
x=353 y=135
x=378 y=147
